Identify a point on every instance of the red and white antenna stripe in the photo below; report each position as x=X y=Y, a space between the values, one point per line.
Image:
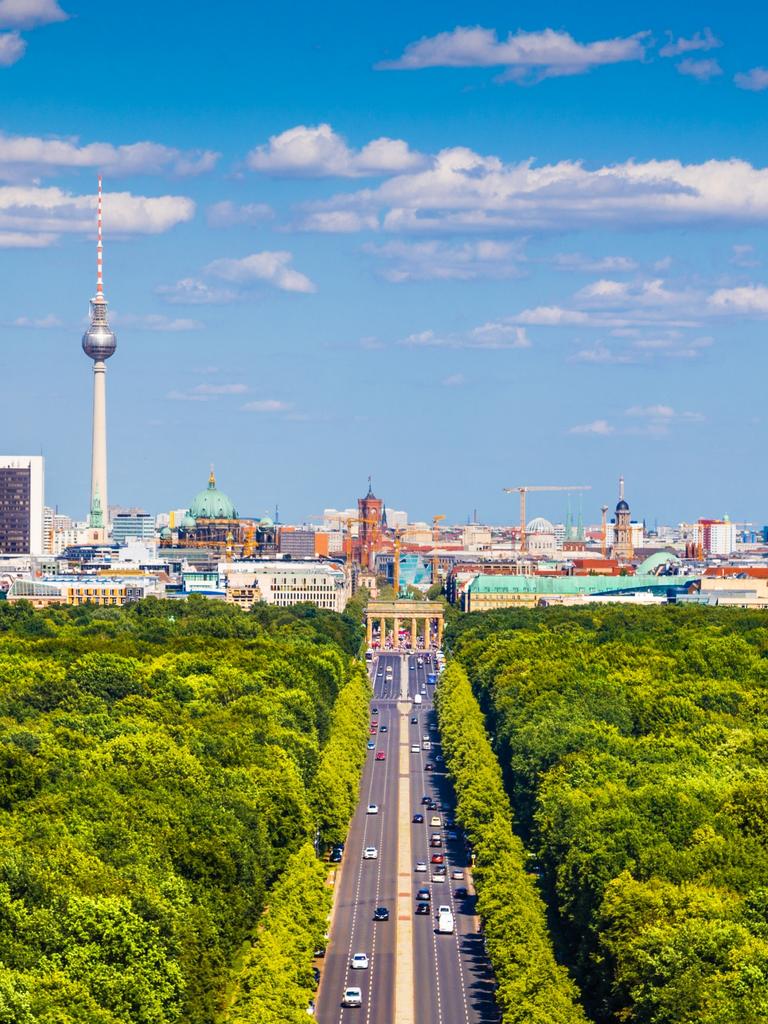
x=99 y=278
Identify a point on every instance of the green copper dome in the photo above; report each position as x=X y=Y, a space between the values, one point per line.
x=188 y=521
x=212 y=504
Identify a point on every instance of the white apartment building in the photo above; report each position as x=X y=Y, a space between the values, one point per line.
x=285 y=583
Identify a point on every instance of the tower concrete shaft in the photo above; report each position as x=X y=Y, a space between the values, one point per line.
x=99 y=495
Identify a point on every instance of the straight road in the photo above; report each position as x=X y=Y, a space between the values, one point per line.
x=452 y=980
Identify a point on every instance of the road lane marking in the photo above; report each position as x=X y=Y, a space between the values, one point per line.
x=404 y=980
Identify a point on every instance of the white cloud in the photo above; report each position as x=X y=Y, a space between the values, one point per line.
x=186 y=396
x=12 y=48
x=220 y=389
x=28 y=208
x=555 y=316
x=339 y=222
x=191 y=291
x=318 y=151
x=602 y=355
x=652 y=294
x=228 y=214
x=266 y=405
x=703 y=70
x=30 y=13
x=486 y=336
x=435 y=260
x=37 y=321
x=755 y=80
x=453 y=380
x=25 y=240
x=269 y=267
x=463 y=191
x=665 y=412
x=752 y=298
x=156 y=322
x=597 y=265
x=744 y=256
x=25 y=155
x=602 y=428
x=526 y=56
x=699 y=41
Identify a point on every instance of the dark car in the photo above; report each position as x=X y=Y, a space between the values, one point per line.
x=461 y=893
x=426 y=799
x=374 y=711
x=428 y=767
x=381 y=914
x=335 y=857
x=422 y=908
x=432 y=805
x=383 y=729
x=315 y=976
x=439 y=869
x=418 y=819
x=414 y=720
x=423 y=894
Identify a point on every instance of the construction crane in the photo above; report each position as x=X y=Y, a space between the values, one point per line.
x=523 y=491
x=604 y=529
x=436 y=520
x=345 y=522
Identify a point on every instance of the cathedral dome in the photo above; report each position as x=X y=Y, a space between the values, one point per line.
x=622 y=506
x=212 y=503
x=539 y=525
x=188 y=522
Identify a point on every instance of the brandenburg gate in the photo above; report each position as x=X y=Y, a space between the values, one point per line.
x=427 y=614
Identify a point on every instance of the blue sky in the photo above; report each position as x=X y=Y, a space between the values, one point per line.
x=456 y=246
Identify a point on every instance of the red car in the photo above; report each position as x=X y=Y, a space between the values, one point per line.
x=437 y=858
x=381 y=756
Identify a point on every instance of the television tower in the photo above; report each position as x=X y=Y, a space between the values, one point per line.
x=99 y=343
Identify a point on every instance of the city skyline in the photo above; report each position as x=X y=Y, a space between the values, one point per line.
x=536 y=256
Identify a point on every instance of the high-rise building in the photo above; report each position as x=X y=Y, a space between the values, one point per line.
x=718 y=536
x=139 y=525
x=99 y=343
x=22 y=485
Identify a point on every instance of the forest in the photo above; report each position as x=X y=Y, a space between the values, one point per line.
x=163 y=780
x=634 y=749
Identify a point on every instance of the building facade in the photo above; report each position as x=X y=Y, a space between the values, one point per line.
x=22 y=484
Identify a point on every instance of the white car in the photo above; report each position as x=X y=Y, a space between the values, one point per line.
x=415 y=748
x=370 y=853
x=438 y=878
x=443 y=909
x=421 y=865
x=352 y=997
x=457 y=873
x=372 y=809
x=359 y=962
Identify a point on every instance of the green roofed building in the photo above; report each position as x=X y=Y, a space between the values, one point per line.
x=485 y=593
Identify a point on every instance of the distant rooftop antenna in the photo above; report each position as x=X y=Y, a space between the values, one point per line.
x=621 y=488
x=99 y=249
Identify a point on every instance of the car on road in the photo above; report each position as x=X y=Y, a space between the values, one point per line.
x=381 y=914
x=381 y=756
x=457 y=874
x=435 y=840
x=352 y=997
x=461 y=893
x=415 y=748
x=384 y=729
x=437 y=877
x=423 y=894
x=414 y=720
x=373 y=730
x=435 y=821
x=370 y=853
x=418 y=819
x=428 y=767
x=422 y=908
x=426 y=799
x=432 y=805
x=359 y=962
x=371 y=745
x=372 y=809
x=374 y=711
x=412 y=667
x=421 y=865
x=438 y=858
